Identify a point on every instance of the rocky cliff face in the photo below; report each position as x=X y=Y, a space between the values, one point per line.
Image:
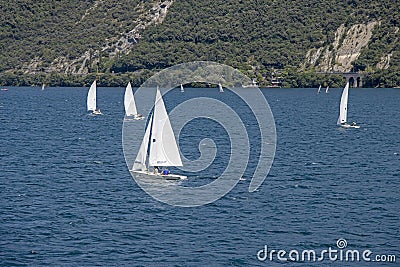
x=384 y=62
x=122 y=43
x=343 y=51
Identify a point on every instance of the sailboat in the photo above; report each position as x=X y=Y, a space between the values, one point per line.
x=129 y=103
x=162 y=150
x=327 y=89
x=43 y=87
x=182 y=89
x=221 y=90
x=91 y=99
x=319 y=89
x=342 y=120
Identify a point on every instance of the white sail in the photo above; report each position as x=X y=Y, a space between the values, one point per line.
x=327 y=89
x=319 y=89
x=182 y=89
x=220 y=88
x=343 y=105
x=140 y=161
x=91 y=97
x=129 y=101
x=163 y=148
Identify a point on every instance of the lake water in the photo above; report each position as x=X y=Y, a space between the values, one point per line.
x=67 y=197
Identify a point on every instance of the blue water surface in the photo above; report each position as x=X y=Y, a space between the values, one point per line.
x=68 y=199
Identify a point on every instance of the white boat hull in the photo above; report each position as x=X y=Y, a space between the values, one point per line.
x=96 y=112
x=350 y=126
x=135 y=117
x=167 y=177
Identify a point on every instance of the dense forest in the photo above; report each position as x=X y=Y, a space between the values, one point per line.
x=266 y=39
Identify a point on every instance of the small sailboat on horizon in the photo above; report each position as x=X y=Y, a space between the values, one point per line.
x=92 y=99
x=319 y=89
x=158 y=147
x=342 y=120
x=327 y=89
x=182 y=89
x=221 y=90
x=130 y=105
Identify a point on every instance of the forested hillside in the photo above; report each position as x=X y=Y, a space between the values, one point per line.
x=71 y=42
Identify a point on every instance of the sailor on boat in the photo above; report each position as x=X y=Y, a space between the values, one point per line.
x=138 y=116
x=97 y=112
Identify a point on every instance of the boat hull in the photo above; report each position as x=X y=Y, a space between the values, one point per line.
x=350 y=126
x=159 y=175
x=134 y=117
x=96 y=112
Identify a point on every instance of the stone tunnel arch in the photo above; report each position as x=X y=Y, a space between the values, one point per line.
x=354 y=79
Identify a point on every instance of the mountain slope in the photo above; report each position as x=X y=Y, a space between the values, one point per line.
x=67 y=36
x=262 y=38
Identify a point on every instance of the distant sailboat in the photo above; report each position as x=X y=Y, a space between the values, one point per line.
x=327 y=89
x=182 y=89
x=43 y=87
x=163 y=148
x=221 y=90
x=319 y=89
x=91 y=99
x=342 y=120
x=130 y=105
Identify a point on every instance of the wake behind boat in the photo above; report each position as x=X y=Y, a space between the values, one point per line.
x=130 y=105
x=163 y=148
x=342 y=120
x=92 y=100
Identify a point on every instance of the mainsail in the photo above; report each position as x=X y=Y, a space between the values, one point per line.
x=129 y=101
x=163 y=148
x=91 y=97
x=343 y=105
